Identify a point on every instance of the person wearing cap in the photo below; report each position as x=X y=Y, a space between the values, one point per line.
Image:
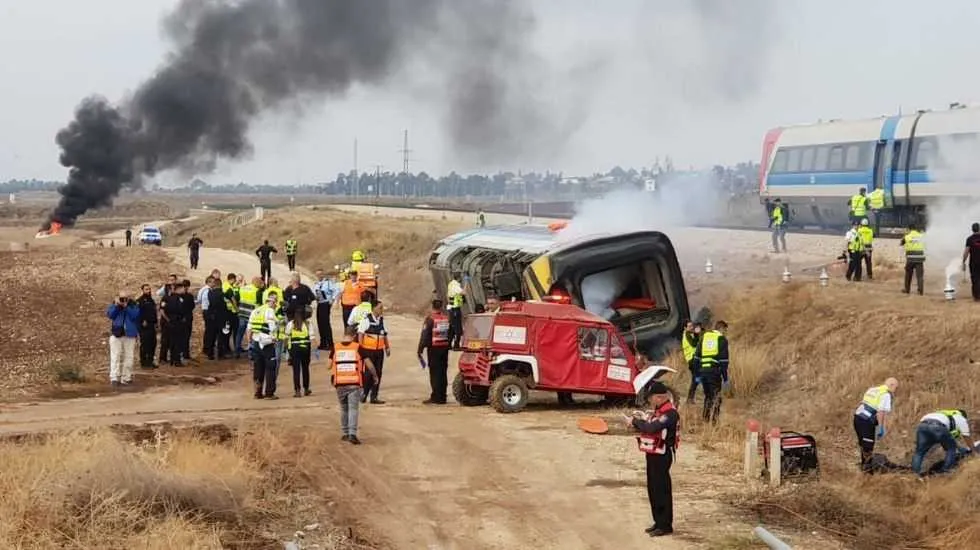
x=658 y=428
x=125 y=317
x=943 y=427
x=871 y=419
x=867 y=236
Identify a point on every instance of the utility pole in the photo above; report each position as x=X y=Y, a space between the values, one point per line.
x=357 y=182
x=406 y=153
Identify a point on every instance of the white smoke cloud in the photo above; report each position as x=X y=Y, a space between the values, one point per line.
x=957 y=162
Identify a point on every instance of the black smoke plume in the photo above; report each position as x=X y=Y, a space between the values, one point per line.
x=232 y=61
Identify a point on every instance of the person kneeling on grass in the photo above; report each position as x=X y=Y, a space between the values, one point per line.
x=347 y=375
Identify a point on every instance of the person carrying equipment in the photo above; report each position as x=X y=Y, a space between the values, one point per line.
x=658 y=441
x=871 y=419
x=943 y=427
x=347 y=375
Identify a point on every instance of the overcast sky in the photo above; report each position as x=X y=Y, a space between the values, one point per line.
x=645 y=81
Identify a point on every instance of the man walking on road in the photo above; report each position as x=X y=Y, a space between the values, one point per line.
x=435 y=340
x=291 y=246
x=264 y=253
x=347 y=376
x=194 y=247
x=972 y=253
x=129 y=237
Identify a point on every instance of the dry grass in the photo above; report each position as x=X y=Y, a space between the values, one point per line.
x=94 y=490
x=326 y=238
x=802 y=357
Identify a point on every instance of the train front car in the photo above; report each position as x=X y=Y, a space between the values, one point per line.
x=915 y=159
x=631 y=279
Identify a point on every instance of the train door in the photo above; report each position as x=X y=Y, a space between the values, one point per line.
x=883 y=169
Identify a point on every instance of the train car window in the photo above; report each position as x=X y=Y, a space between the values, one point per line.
x=779 y=163
x=836 y=162
x=820 y=163
x=793 y=164
x=925 y=156
x=852 y=156
x=806 y=160
x=898 y=155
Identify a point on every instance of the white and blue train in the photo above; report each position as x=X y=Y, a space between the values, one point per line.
x=917 y=159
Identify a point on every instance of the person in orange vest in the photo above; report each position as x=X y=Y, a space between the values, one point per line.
x=373 y=337
x=435 y=340
x=347 y=376
x=350 y=296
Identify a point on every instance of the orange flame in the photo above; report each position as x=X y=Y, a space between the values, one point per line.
x=51 y=231
x=555 y=227
x=55 y=228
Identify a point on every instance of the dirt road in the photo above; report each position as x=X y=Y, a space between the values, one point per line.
x=446 y=477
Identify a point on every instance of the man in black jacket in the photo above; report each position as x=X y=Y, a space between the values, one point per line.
x=148 y=327
x=658 y=441
x=214 y=320
x=172 y=319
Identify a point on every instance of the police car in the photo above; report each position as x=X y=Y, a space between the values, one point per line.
x=150 y=235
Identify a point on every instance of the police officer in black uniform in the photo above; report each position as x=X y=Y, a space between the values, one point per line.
x=658 y=440
x=172 y=321
x=148 y=327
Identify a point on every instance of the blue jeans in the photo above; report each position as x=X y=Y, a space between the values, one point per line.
x=927 y=435
x=240 y=334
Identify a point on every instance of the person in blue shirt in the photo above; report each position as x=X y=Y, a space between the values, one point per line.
x=326 y=291
x=125 y=317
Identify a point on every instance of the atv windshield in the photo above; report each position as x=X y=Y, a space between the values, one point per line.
x=625 y=291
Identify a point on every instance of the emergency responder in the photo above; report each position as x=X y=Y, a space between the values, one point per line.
x=435 y=341
x=280 y=348
x=326 y=291
x=367 y=277
x=855 y=252
x=228 y=329
x=361 y=310
x=187 y=299
x=972 y=252
x=249 y=298
x=455 y=294
x=689 y=345
x=299 y=339
x=263 y=328
x=264 y=254
x=712 y=358
x=148 y=327
x=350 y=296
x=347 y=376
x=858 y=205
x=778 y=223
x=942 y=427
x=164 y=291
x=215 y=317
x=876 y=200
x=658 y=441
x=871 y=419
x=194 y=248
x=867 y=236
x=356 y=258
x=915 y=257
x=172 y=321
x=291 y=247
x=373 y=338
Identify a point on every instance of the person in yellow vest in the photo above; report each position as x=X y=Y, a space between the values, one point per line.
x=249 y=298
x=858 y=205
x=689 y=345
x=915 y=257
x=274 y=288
x=350 y=296
x=373 y=338
x=712 y=357
x=871 y=419
x=347 y=376
x=299 y=339
x=362 y=310
x=855 y=253
x=867 y=236
x=291 y=247
x=455 y=294
x=263 y=329
x=943 y=427
x=876 y=200
x=778 y=223
x=229 y=328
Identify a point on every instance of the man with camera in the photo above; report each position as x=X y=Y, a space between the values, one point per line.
x=125 y=317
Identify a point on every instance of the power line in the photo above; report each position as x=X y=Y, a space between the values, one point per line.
x=406 y=153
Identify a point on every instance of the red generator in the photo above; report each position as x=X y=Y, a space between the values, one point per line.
x=798 y=455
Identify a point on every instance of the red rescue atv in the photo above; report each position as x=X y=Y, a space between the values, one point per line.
x=547 y=347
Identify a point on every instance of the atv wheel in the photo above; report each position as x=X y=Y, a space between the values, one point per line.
x=469 y=395
x=509 y=394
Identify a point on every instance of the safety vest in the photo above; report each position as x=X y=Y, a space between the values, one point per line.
x=867 y=236
x=777 y=215
x=858 y=205
x=709 y=348
x=278 y=292
x=455 y=301
x=361 y=311
x=248 y=299
x=373 y=338
x=351 y=295
x=300 y=338
x=915 y=248
x=951 y=414
x=873 y=398
x=258 y=323
x=687 y=346
x=291 y=247
x=877 y=199
x=347 y=367
x=855 y=244
x=366 y=276
x=440 y=330
x=658 y=443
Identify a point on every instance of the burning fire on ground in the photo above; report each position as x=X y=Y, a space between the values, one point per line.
x=50 y=232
